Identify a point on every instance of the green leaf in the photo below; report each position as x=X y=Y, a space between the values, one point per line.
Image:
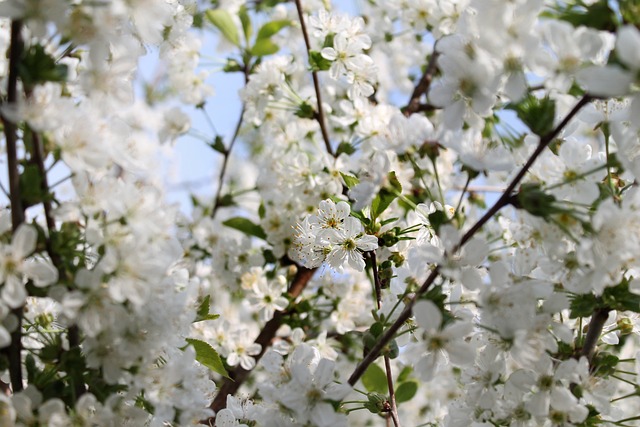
x=537 y=113
x=604 y=364
x=232 y=66
x=374 y=379
x=37 y=66
x=405 y=374
x=210 y=358
x=264 y=47
x=203 y=311
x=630 y=11
x=534 y=200
x=597 y=15
x=218 y=145
x=246 y=226
x=620 y=298
x=346 y=148
x=305 y=111
x=245 y=19
x=376 y=329
x=583 y=306
x=349 y=180
x=386 y=195
x=271 y=28
x=223 y=21
x=406 y=391
x=317 y=62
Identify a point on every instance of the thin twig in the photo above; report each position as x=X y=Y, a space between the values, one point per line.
x=422 y=87
x=387 y=362
x=388 y=335
x=319 y=115
x=239 y=374
x=225 y=162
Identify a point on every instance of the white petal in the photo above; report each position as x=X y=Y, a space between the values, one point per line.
x=24 y=241
x=42 y=272
x=13 y=292
x=628 y=46
x=605 y=81
x=367 y=243
x=427 y=315
x=5 y=337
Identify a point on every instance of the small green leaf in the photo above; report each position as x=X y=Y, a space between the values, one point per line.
x=210 y=358
x=534 y=200
x=597 y=15
x=630 y=11
x=37 y=67
x=537 y=113
x=218 y=145
x=224 y=22
x=305 y=111
x=386 y=195
x=264 y=47
x=346 y=148
x=405 y=374
x=620 y=298
x=349 y=180
x=271 y=28
x=406 y=391
x=246 y=226
x=374 y=379
x=245 y=19
x=317 y=62
x=583 y=305
x=604 y=364
x=203 y=311
x=376 y=329
x=232 y=66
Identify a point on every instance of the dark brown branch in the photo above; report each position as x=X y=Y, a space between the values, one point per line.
x=593 y=333
x=239 y=374
x=319 y=115
x=14 y=351
x=502 y=201
x=10 y=128
x=423 y=86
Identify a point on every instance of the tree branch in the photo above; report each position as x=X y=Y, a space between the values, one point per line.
x=423 y=87
x=239 y=374
x=388 y=335
x=319 y=115
x=14 y=351
x=593 y=333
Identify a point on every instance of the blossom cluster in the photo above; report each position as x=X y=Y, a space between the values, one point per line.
x=427 y=215
x=332 y=236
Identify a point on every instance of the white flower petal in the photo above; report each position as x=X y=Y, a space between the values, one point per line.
x=427 y=315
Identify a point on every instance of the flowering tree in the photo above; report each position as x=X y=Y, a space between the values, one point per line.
x=427 y=215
